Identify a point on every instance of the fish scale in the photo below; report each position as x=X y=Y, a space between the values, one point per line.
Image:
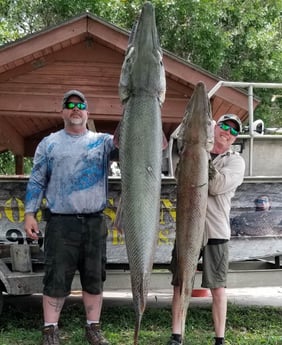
x=142 y=90
x=141 y=204
x=195 y=140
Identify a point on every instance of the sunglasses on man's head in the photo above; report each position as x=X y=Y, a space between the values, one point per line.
x=226 y=127
x=72 y=105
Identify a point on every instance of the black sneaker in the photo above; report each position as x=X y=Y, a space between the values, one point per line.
x=173 y=342
x=50 y=335
x=94 y=336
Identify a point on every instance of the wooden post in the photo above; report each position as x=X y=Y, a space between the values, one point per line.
x=21 y=258
x=19 y=161
x=91 y=125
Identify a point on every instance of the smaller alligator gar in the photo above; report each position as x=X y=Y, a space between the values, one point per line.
x=195 y=141
x=140 y=140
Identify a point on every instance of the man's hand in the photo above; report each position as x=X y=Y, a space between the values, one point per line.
x=31 y=226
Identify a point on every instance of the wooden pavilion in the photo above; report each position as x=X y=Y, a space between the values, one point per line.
x=85 y=53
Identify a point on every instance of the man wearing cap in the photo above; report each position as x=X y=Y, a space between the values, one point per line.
x=226 y=174
x=70 y=172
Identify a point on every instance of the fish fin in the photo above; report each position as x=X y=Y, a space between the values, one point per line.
x=116 y=135
x=136 y=330
x=161 y=97
x=176 y=171
x=140 y=310
x=118 y=222
x=165 y=142
x=124 y=87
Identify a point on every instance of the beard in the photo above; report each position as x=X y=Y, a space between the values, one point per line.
x=76 y=121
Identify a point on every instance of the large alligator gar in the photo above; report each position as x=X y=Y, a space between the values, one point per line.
x=142 y=89
x=195 y=141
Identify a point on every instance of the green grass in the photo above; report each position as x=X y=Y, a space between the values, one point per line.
x=245 y=326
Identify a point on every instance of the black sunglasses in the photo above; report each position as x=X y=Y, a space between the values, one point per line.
x=72 y=105
x=226 y=127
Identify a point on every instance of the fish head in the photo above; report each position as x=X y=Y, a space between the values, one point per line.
x=143 y=69
x=198 y=125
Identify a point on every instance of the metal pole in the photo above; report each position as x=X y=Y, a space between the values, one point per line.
x=251 y=135
x=251 y=120
x=242 y=84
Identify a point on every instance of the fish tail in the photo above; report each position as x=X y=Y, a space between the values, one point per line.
x=184 y=308
x=137 y=328
x=140 y=307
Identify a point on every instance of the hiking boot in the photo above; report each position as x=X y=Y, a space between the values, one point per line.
x=94 y=336
x=219 y=342
x=51 y=335
x=173 y=342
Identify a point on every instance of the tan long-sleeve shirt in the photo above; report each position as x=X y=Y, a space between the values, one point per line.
x=230 y=167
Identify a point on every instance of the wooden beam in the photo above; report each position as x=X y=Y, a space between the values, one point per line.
x=117 y=38
x=13 y=141
x=46 y=105
x=184 y=72
x=49 y=38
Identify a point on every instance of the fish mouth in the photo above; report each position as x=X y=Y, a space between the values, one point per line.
x=146 y=24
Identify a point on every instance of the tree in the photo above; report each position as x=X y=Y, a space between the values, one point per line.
x=237 y=40
x=7 y=164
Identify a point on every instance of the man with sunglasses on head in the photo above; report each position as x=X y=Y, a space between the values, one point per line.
x=226 y=173
x=71 y=171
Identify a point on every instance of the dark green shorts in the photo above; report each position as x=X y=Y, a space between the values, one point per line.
x=215 y=265
x=72 y=244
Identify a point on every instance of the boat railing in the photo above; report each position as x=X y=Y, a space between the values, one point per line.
x=268 y=138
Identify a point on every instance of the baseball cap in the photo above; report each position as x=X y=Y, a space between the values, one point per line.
x=262 y=202
x=70 y=93
x=231 y=117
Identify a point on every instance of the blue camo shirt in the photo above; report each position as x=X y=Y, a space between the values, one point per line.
x=71 y=172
